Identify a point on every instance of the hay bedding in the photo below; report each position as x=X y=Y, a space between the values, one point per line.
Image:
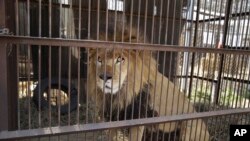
x=218 y=126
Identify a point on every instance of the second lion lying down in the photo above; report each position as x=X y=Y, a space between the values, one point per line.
x=125 y=84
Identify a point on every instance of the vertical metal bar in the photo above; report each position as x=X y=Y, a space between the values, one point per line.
x=18 y=60
x=193 y=55
x=123 y=19
x=115 y=21
x=245 y=47
x=155 y=82
x=148 y=87
x=80 y=20
x=79 y=63
x=69 y=68
x=173 y=25
x=240 y=61
x=39 y=63
x=105 y=71
x=112 y=86
x=119 y=86
x=167 y=17
x=160 y=23
x=87 y=80
x=161 y=87
x=214 y=55
x=98 y=19
x=107 y=21
x=29 y=57
x=87 y=89
x=209 y=16
x=60 y=63
x=49 y=90
x=89 y=18
x=69 y=83
x=229 y=3
x=96 y=72
x=128 y=67
x=131 y=20
x=163 y=72
x=138 y=21
x=17 y=16
x=153 y=23
x=247 y=28
x=145 y=22
x=141 y=85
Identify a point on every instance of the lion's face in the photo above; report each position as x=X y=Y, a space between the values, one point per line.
x=111 y=68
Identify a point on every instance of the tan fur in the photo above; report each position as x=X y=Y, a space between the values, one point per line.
x=140 y=68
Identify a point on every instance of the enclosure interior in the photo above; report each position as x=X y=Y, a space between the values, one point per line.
x=202 y=46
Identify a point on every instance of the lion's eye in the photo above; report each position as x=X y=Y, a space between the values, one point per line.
x=120 y=59
x=99 y=59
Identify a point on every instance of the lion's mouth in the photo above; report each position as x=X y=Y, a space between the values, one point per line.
x=110 y=89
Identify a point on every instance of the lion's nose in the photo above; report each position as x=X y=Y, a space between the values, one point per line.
x=106 y=76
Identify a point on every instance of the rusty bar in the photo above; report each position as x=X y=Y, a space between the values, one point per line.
x=109 y=45
x=222 y=56
x=116 y=124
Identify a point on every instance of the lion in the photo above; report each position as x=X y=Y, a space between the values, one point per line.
x=125 y=84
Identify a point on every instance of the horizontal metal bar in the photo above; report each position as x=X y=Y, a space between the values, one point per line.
x=116 y=124
x=214 y=80
x=198 y=77
x=111 y=45
x=219 y=18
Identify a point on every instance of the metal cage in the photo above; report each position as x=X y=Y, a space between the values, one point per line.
x=200 y=46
